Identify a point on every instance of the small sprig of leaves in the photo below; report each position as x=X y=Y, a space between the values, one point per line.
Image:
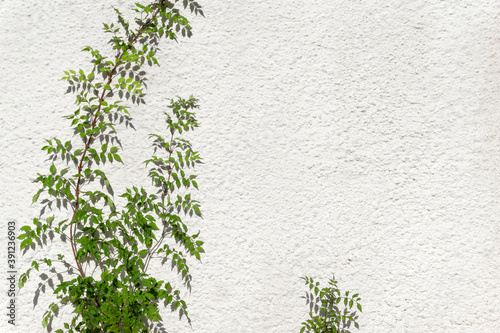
x=331 y=311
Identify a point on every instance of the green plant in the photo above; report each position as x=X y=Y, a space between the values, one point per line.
x=330 y=310
x=106 y=281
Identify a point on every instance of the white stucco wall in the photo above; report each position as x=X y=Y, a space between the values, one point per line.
x=355 y=137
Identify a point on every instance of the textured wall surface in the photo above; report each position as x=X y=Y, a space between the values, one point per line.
x=360 y=138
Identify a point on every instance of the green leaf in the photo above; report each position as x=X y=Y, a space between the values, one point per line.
x=53 y=169
x=35 y=197
x=117 y=157
x=64 y=171
x=197 y=211
x=25 y=243
x=23 y=278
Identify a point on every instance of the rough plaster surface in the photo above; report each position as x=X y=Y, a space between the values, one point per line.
x=359 y=138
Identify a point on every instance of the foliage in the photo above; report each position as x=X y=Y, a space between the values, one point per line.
x=330 y=310
x=106 y=281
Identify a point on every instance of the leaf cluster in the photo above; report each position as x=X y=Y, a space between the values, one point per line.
x=331 y=311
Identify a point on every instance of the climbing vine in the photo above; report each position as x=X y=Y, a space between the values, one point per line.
x=101 y=273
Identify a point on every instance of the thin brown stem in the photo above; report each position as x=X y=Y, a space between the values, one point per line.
x=155 y=247
x=89 y=140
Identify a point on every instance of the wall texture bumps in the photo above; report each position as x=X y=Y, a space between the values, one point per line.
x=355 y=137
